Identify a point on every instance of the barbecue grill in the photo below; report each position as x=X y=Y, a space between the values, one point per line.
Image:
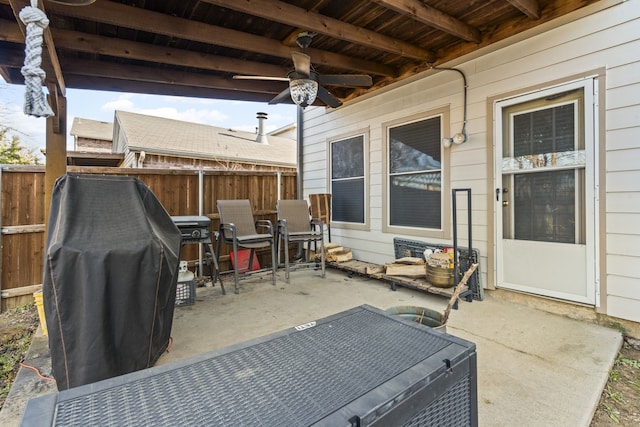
x=196 y=230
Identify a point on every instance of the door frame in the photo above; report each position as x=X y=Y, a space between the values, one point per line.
x=590 y=86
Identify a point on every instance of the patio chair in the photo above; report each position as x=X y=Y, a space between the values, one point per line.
x=296 y=225
x=321 y=208
x=238 y=229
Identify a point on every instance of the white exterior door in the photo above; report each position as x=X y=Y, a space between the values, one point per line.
x=545 y=193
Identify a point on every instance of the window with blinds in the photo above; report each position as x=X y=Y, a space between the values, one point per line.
x=415 y=174
x=348 y=180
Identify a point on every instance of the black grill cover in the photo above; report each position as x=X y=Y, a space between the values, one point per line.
x=110 y=274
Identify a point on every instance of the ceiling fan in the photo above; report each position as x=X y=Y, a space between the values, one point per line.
x=305 y=84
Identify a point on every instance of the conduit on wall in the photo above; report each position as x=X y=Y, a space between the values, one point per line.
x=461 y=137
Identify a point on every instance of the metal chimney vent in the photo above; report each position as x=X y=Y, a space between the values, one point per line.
x=262 y=136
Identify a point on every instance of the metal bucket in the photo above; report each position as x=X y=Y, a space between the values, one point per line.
x=424 y=316
x=440 y=277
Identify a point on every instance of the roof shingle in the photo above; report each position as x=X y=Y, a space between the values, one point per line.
x=171 y=137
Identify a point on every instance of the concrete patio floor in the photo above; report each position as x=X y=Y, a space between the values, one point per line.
x=534 y=368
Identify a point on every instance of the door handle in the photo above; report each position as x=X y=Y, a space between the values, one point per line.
x=505 y=203
x=504 y=190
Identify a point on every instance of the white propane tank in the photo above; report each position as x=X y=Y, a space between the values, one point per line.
x=185 y=289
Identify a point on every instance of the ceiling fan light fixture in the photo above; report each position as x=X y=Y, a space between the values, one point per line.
x=303 y=91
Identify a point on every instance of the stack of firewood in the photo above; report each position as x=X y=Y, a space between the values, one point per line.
x=333 y=252
x=407 y=266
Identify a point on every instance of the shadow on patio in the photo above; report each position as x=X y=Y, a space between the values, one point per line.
x=534 y=368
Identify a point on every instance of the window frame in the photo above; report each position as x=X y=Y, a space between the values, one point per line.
x=445 y=231
x=364 y=133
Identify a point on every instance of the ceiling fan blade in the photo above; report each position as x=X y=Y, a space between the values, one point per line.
x=302 y=63
x=282 y=96
x=328 y=98
x=346 y=80
x=278 y=79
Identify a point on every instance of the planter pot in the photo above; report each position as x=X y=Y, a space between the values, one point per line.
x=440 y=277
x=424 y=316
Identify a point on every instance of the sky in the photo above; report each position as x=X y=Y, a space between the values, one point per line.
x=99 y=105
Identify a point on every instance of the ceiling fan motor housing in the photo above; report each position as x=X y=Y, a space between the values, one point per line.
x=304 y=39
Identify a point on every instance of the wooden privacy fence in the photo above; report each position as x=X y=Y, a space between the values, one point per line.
x=22 y=245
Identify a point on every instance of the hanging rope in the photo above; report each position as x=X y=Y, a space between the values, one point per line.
x=35 y=102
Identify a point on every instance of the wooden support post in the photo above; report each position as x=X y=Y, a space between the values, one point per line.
x=56 y=165
x=53 y=103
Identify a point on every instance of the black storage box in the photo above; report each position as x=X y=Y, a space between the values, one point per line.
x=360 y=367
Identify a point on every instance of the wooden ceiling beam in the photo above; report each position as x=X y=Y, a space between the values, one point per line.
x=79 y=81
x=433 y=17
x=4 y=73
x=11 y=58
x=295 y=16
x=95 y=68
x=91 y=43
x=50 y=63
x=511 y=28
x=123 y=78
x=531 y=8
x=158 y=23
x=10 y=31
x=290 y=40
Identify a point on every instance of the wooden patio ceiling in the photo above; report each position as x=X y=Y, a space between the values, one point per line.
x=195 y=47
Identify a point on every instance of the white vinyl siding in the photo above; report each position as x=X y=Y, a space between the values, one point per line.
x=605 y=44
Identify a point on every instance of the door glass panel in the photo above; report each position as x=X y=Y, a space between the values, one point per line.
x=550 y=130
x=544 y=206
x=542 y=165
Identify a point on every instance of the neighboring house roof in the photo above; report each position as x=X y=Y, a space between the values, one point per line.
x=92 y=144
x=158 y=135
x=79 y=158
x=288 y=131
x=91 y=129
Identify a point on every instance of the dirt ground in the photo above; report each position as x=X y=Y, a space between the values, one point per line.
x=619 y=404
x=16 y=328
x=620 y=400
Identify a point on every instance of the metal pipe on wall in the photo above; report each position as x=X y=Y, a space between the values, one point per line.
x=299 y=179
x=300 y=138
x=200 y=213
x=279 y=184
